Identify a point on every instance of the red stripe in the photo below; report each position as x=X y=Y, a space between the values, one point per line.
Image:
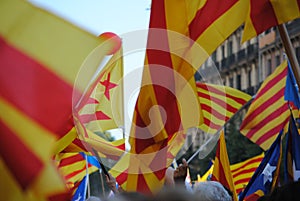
x=271 y=83
x=74 y=173
x=211 y=89
x=242 y=181
x=218 y=101
x=71 y=160
x=262 y=107
x=92 y=101
x=142 y=185
x=78 y=143
x=214 y=113
x=35 y=90
x=24 y=165
x=256 y=160
x=207 y=15
x=121 y=146
x=272 y=116
x=220 y=168
x=210 y=124
x=60 y=196
x=262 y=9
x=99 y=115
x=272 y=132
x=244 y=172
x=121 y=178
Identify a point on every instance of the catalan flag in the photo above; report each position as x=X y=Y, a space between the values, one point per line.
x=38 y=70
x=265 y=177
x=218 y=104
x=182 y=34
x=75 y=166
x=221 y=171
x=268 y=114
x=243 y=171
x=273 y=13
x=104 y=109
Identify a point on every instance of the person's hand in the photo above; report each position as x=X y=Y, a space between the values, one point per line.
x=111 y=183
x=181 y=172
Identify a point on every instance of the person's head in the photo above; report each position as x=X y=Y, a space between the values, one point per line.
x=130 y=196
x=93 y=198
x=211 y=191
x=179 y=193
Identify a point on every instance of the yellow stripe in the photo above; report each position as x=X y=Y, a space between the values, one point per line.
x=65 y=141
x=213 y=119
x=207 y=129
x=249 y=30
x=28 y=131
x=270 y=125
x=229 y=90
x=31 y=133
x=57 y=44
x=228 y=100
x=221 y=109
x=221 y=29
x=285 y=10
x=265 y=113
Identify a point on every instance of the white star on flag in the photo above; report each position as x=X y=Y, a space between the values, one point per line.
x=268 y=173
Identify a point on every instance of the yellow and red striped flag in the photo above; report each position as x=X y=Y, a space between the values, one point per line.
x=74 y=166
x=38 y=70
x=268 y=114
x=221 y=171
x=273 y=13
x=104 y=109
x=182 y=35
x=243 y=171
x=218 y=104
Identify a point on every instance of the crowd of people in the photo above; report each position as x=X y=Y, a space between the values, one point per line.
x=175 y=190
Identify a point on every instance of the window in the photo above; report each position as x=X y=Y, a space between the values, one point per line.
x=238 y=81
x=223 y=51
x=229 y=48
x=269 y=67
x=277 y=60
x=214 y=56
x=249 y=78
x=231 y=82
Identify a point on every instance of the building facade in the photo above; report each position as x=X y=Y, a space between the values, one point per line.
x=244 y=66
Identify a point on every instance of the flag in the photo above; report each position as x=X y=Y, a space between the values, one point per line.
x=38 y=70
x=104 y=108
x=80 y=192
x=266 y=175
x=75 y=166
x=243 y=171
x=292 y=153
x=218 y=104
x=207 y=176
x=181 y=37
x=221 y=171
x=273 y=13
x=268 y=113
x=292 y=90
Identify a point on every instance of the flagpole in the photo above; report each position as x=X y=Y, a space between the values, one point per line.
x=217 y=134
x=289 y=51
x=87 y=175
x=123 y=82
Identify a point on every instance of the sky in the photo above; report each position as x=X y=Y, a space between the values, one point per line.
x=127 y=19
